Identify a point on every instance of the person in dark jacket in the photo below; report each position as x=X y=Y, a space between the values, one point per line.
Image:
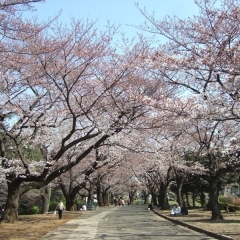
x=151 y=206
x=184 y=210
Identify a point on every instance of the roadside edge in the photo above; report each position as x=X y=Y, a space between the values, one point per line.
x=209 y=233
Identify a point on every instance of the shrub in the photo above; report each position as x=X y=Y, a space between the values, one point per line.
x=237 y=203
x=80 y=202
x=230 y=203
x=35 y=210
x=226 y=200
x=53 y=205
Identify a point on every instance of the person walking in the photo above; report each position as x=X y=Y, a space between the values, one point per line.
x=60 y=208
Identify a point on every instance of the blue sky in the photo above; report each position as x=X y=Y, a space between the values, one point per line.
x=122 y=12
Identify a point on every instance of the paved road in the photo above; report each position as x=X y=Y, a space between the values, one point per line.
x=133 y=222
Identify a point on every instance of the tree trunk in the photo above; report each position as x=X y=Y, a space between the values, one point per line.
x=163 y=201
x=187 y=199
x=213 y=195
x=179 y=181
x=111 y=198
x=193 y=198
x=202 y=199
x=162 y=198
x=182 y=197
x=90 y=198
x=12 y=204
x=101 y=199
x=154 y=199
x=46 y=199
x=70 y=202
x=100 y=195
x=70 y=194
x=132 y=196
x=145 y=199
x=105 y=198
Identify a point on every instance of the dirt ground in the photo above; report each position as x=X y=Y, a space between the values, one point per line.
x=230 y=226
x=33 y=227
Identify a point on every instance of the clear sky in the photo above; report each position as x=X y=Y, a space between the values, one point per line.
x=122 y=12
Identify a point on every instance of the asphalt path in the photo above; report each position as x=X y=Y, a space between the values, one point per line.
x=132 y=222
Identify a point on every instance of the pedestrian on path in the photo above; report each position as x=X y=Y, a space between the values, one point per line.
x=60 y=207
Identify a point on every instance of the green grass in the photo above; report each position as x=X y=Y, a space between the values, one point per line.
x=138 y=201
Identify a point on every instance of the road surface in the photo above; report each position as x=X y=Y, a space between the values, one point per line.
x=132 y=222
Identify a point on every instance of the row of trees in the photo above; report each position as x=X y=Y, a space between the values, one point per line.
x=65 y=92
x=201 y=54
x=75 y=108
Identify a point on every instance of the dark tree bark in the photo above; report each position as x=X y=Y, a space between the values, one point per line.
x=213 y=199
x=162 y=198
x=202 y=199
x=132 y=196
x=105 y=198
x=154 y=198
x=100 y=195
x=12 y=204
x=70 y=204
x=90 y=197
x=193 y=198
x=145 y=195
x=187 y=198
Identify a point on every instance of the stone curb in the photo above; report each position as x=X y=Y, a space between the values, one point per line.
x=197 y=229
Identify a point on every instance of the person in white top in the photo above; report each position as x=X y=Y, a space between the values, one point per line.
x=176 y=210
x=60 y=207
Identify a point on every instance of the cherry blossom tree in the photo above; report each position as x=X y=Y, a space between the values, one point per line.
x=201 y=53
x=201 y=56
x=14 y=32
x=87 y=175
x=212 y=148
x=76 y=179
x=109 y=176
x=71 y=88
x=217 y=155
